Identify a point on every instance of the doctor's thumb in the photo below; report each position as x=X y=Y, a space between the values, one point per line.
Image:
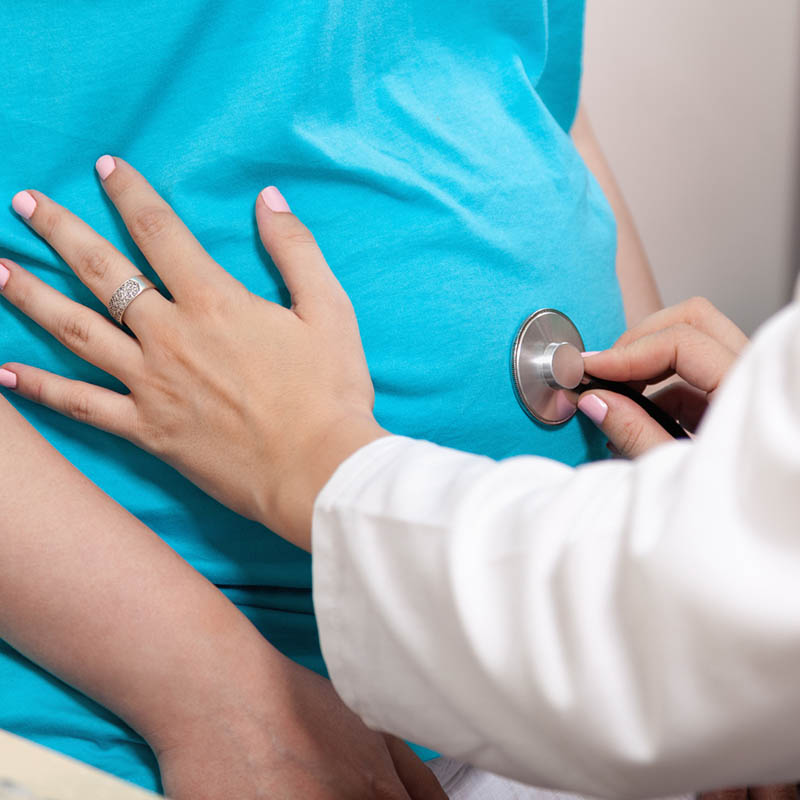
x=630 y=429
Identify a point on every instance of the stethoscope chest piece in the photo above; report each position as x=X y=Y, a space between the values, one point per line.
x=547 y=369
x=547 y=366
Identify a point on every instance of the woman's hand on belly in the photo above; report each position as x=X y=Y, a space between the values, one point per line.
x=256 y=403
x=295 y=738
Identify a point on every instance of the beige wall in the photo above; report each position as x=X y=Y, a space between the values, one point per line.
x=696 y=105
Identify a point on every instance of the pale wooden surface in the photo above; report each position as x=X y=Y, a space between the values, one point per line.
x=31 y=772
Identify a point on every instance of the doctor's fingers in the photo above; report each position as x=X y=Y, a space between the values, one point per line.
x=683 y=403
x=315 y=292
x=701 y=360
x=697 y=312
x=629 y=428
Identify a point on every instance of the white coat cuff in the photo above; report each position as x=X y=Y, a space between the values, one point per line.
x=343 y=617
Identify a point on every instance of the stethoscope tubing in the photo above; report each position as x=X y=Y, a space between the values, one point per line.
x=658 y=414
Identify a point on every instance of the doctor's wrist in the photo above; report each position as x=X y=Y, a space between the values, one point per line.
x=288 y=507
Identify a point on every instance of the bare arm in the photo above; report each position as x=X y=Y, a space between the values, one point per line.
x=639 y=290
x=98 y=599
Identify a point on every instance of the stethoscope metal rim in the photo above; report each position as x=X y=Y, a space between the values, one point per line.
x=547 y=371
x=540 y=401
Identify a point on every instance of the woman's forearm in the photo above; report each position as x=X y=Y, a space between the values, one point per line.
x=96 y=598
x=639 y=290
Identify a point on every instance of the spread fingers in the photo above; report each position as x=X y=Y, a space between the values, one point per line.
x=98 y=264
x=84 y=402
x=90 y=335
x=165 y=241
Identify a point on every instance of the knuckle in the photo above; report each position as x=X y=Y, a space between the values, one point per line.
x=161 y=344
x=683 y=333
x=167 y=353
x=207 y=299
x=149 y=223
x=630 y=437
x=74 y=331
x=159 y=431
x=35 y=389
x=78 y=405
x=93 y=265
x=343 y=307
x=21 y=294
x=165 y=341
x=297 y=233
x=336 y=303
x=150 y=437
x=626 y=359
x=49 y=222
x=120 y=181
x=699 y=307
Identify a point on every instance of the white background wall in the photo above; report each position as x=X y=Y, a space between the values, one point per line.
x=696 y=105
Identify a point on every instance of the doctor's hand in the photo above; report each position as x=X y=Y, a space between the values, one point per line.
x=692 y=342
x=254 y=402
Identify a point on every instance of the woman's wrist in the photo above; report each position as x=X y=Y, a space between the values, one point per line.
x=233 y=682
x=288 y=507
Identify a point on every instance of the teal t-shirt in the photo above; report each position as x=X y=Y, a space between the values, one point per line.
x=424 y=144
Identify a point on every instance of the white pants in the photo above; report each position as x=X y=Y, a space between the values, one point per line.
x=462 y=782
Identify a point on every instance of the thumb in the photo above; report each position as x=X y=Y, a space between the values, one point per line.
x=628 y=426
x=313 y=287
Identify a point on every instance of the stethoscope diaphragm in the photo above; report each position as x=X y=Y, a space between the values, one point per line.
x=548 y=374
x=547 y=366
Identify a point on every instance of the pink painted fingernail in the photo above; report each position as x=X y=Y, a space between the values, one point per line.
x=4 y=276
x=591 y=353
x=593 y=407
x=8 y=379
x=24 y=204
x=105 y=165
x=274 y=199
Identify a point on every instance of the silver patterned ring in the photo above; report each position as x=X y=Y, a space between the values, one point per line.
x=126 y=294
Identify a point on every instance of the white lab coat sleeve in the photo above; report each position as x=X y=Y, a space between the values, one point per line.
x=624 y=629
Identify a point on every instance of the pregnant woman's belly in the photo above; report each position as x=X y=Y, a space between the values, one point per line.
x=443 y=190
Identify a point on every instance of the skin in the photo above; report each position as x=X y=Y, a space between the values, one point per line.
x=692 y=341
x=253 y=390
x=269 y=442
x=171 y=692
x=225 y=713
x=293 y=395
x=639 y=290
